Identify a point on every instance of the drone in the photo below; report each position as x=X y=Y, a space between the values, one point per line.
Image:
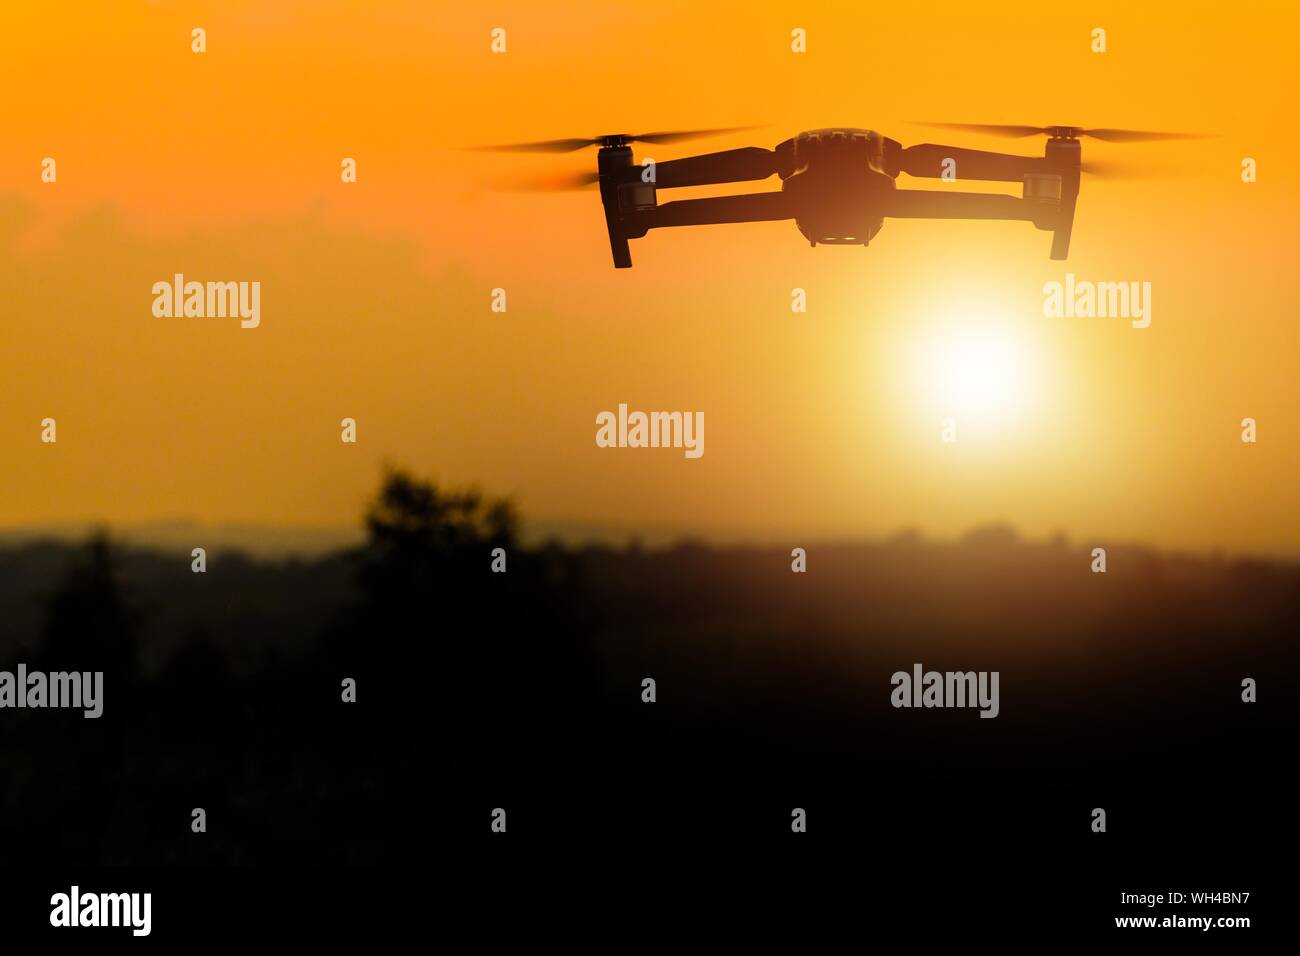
x=839 y=185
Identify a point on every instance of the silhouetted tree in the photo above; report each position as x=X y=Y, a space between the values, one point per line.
x=436 y=629
x=423 y=538
x=88 y=625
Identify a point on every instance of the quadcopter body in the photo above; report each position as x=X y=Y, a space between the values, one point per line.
x=840 y=184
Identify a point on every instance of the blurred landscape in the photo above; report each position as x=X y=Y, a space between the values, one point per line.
x=222 y=689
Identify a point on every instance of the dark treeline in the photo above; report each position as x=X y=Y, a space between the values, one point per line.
x=478 y=689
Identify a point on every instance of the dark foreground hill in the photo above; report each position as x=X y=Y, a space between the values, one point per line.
x=525 y=690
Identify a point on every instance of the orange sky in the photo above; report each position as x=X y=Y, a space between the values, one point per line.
x=375 y=296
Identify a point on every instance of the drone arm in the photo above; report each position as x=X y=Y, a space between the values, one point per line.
x=752 y=207
x=928 y=160
x=729 y=166
x=933 y=204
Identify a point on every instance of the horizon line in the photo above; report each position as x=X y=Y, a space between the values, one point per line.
x=313 y=541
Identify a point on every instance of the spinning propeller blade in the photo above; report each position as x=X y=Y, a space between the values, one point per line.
x=1067 y=132
x=611 y=139
x=562 y=182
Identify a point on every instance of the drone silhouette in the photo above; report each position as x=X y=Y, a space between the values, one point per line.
x=838 y=184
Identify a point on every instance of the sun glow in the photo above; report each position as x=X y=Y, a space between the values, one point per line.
x=976 y=372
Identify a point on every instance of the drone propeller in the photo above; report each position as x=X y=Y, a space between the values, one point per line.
x=611 y=139
x=558 y=183
x=1112 y=170
x=1067 y=132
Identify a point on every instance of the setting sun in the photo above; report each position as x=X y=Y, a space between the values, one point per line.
x=975 y=371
